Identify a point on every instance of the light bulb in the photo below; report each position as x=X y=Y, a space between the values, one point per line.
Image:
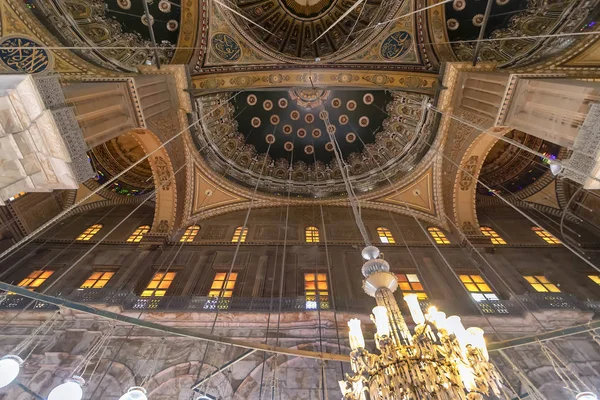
x=357 y=339
x=555 y=167
x=9 y=369
x=454 y=326
x=381 y=321
x=439 y=319
x=70 y=390
x=415 y=309
x=134 y=393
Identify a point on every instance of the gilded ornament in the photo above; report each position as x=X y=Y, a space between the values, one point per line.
x=23 y=55
x=126 y=4
x=343 y=119
x=301 y=133
x=396 y=45
x=270 y=138
x=324 y=115
x=309 y=118
x=287 y=129
x=368 y=99
x=309 y=149
x=452 y=24
x=251 y=99
x=336 y=103
x=268 y=105
x=163 y=5
x=288 y=146
x=255 y=122
x=329 y=146
x=295 y=115
x=283 y=103
x=478 y=20
x=172 y=25
x=274 y=119
x=351 y=105
x=350 y=137
x=316 y=133
x=363 y=121
x=459 y=5
x=226 y=47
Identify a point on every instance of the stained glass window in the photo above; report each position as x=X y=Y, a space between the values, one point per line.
x=89 y=232
x=547 y=236
x=223 y=284
x=161 y=281
x=239 y=235
x=478 y=288
x=190 y=233
x=494 y=237
x=438 y=235
x=312 y=234
x=97 y=280
x=138 y=234
x=541 y=284
x=385 y=235
x=35 y=279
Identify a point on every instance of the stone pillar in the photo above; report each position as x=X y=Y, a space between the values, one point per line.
x=104 y=110
x=552 y=109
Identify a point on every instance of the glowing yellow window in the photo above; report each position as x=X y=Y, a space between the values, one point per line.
x=138 y=234
x=385 y=235
x=97 y=280
x=438 y=235
x=494 y=237
x=316 y=284
x=409 y=283
x=239 y=235
x=312 y=234
x=223 y=285
x=547 y=236
x=161 y=281
x=595 y=278
x=89 y=232
x=190 y=233
x=35 y=279
x=541 y=284
x=478 y=288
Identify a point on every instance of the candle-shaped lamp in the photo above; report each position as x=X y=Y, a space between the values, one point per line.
x=476 y=339
x=453 y=325
x=415 y=309
x=357 y=339
x=382 y=321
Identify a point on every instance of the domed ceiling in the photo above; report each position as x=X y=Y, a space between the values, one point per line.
x=285 y=131
x=508 y=169
x=295 y=24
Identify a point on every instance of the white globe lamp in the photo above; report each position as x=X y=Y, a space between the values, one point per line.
x=9 y=369
x=70 y=390
x=134 y=393
x=586 y=396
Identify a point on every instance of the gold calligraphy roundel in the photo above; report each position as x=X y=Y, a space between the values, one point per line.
x=24 y=55
x=226 y=47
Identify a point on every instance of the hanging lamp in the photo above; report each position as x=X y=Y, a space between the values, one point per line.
x=10 y=366
x=70 y=390
x=134 y=393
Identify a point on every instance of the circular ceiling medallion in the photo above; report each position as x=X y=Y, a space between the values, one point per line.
x=350 y=138
x=363 y=121
x=368 y=99
x=301 y=133
x=126 y=4
x=307 y=9
x=283 y=103
x=172 y=25
x=288 y=146
x=164 y=6
x=336 y=103
x=351 y=105
x=251 y=100
x=343 y=119
x=309 y=149
x=287 y=129
x=459 y=5
x=295 y=115
x=316 y=133
x=452 y=24
x=309 y=118
x=255 y=122
x=331 y=128
x=226 y=47
x=478 y=20
x=270 y=138
x=27 y=59
x=502 y=2
x=309 y=98
x=396 y=45
x=324 y=115
x=274 y=119
x=145 y=20
x=268 y=105
x=329 y=146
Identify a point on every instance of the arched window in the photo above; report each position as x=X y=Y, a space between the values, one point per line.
x=494 y=237
x=138 y=234
x=547 y=236
x=385 y=236
x=223 y=285
x=438 y=235
x=35 y=279
x=89 y=232
x=160 y=283
x=312 y=234
x=190 y=233
x=239 y=235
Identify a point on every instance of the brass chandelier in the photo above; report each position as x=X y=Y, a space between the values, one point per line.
x=441 y=360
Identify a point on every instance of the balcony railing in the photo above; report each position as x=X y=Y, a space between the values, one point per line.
x=130 y=301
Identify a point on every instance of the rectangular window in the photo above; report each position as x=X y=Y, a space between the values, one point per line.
x=541 y=284
x=315 y=285
x=35 y=279
x=409 y=283
x=161 y=281
x=595 y=278
x=223 y=285
x=478 y=288
x=97 y=280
